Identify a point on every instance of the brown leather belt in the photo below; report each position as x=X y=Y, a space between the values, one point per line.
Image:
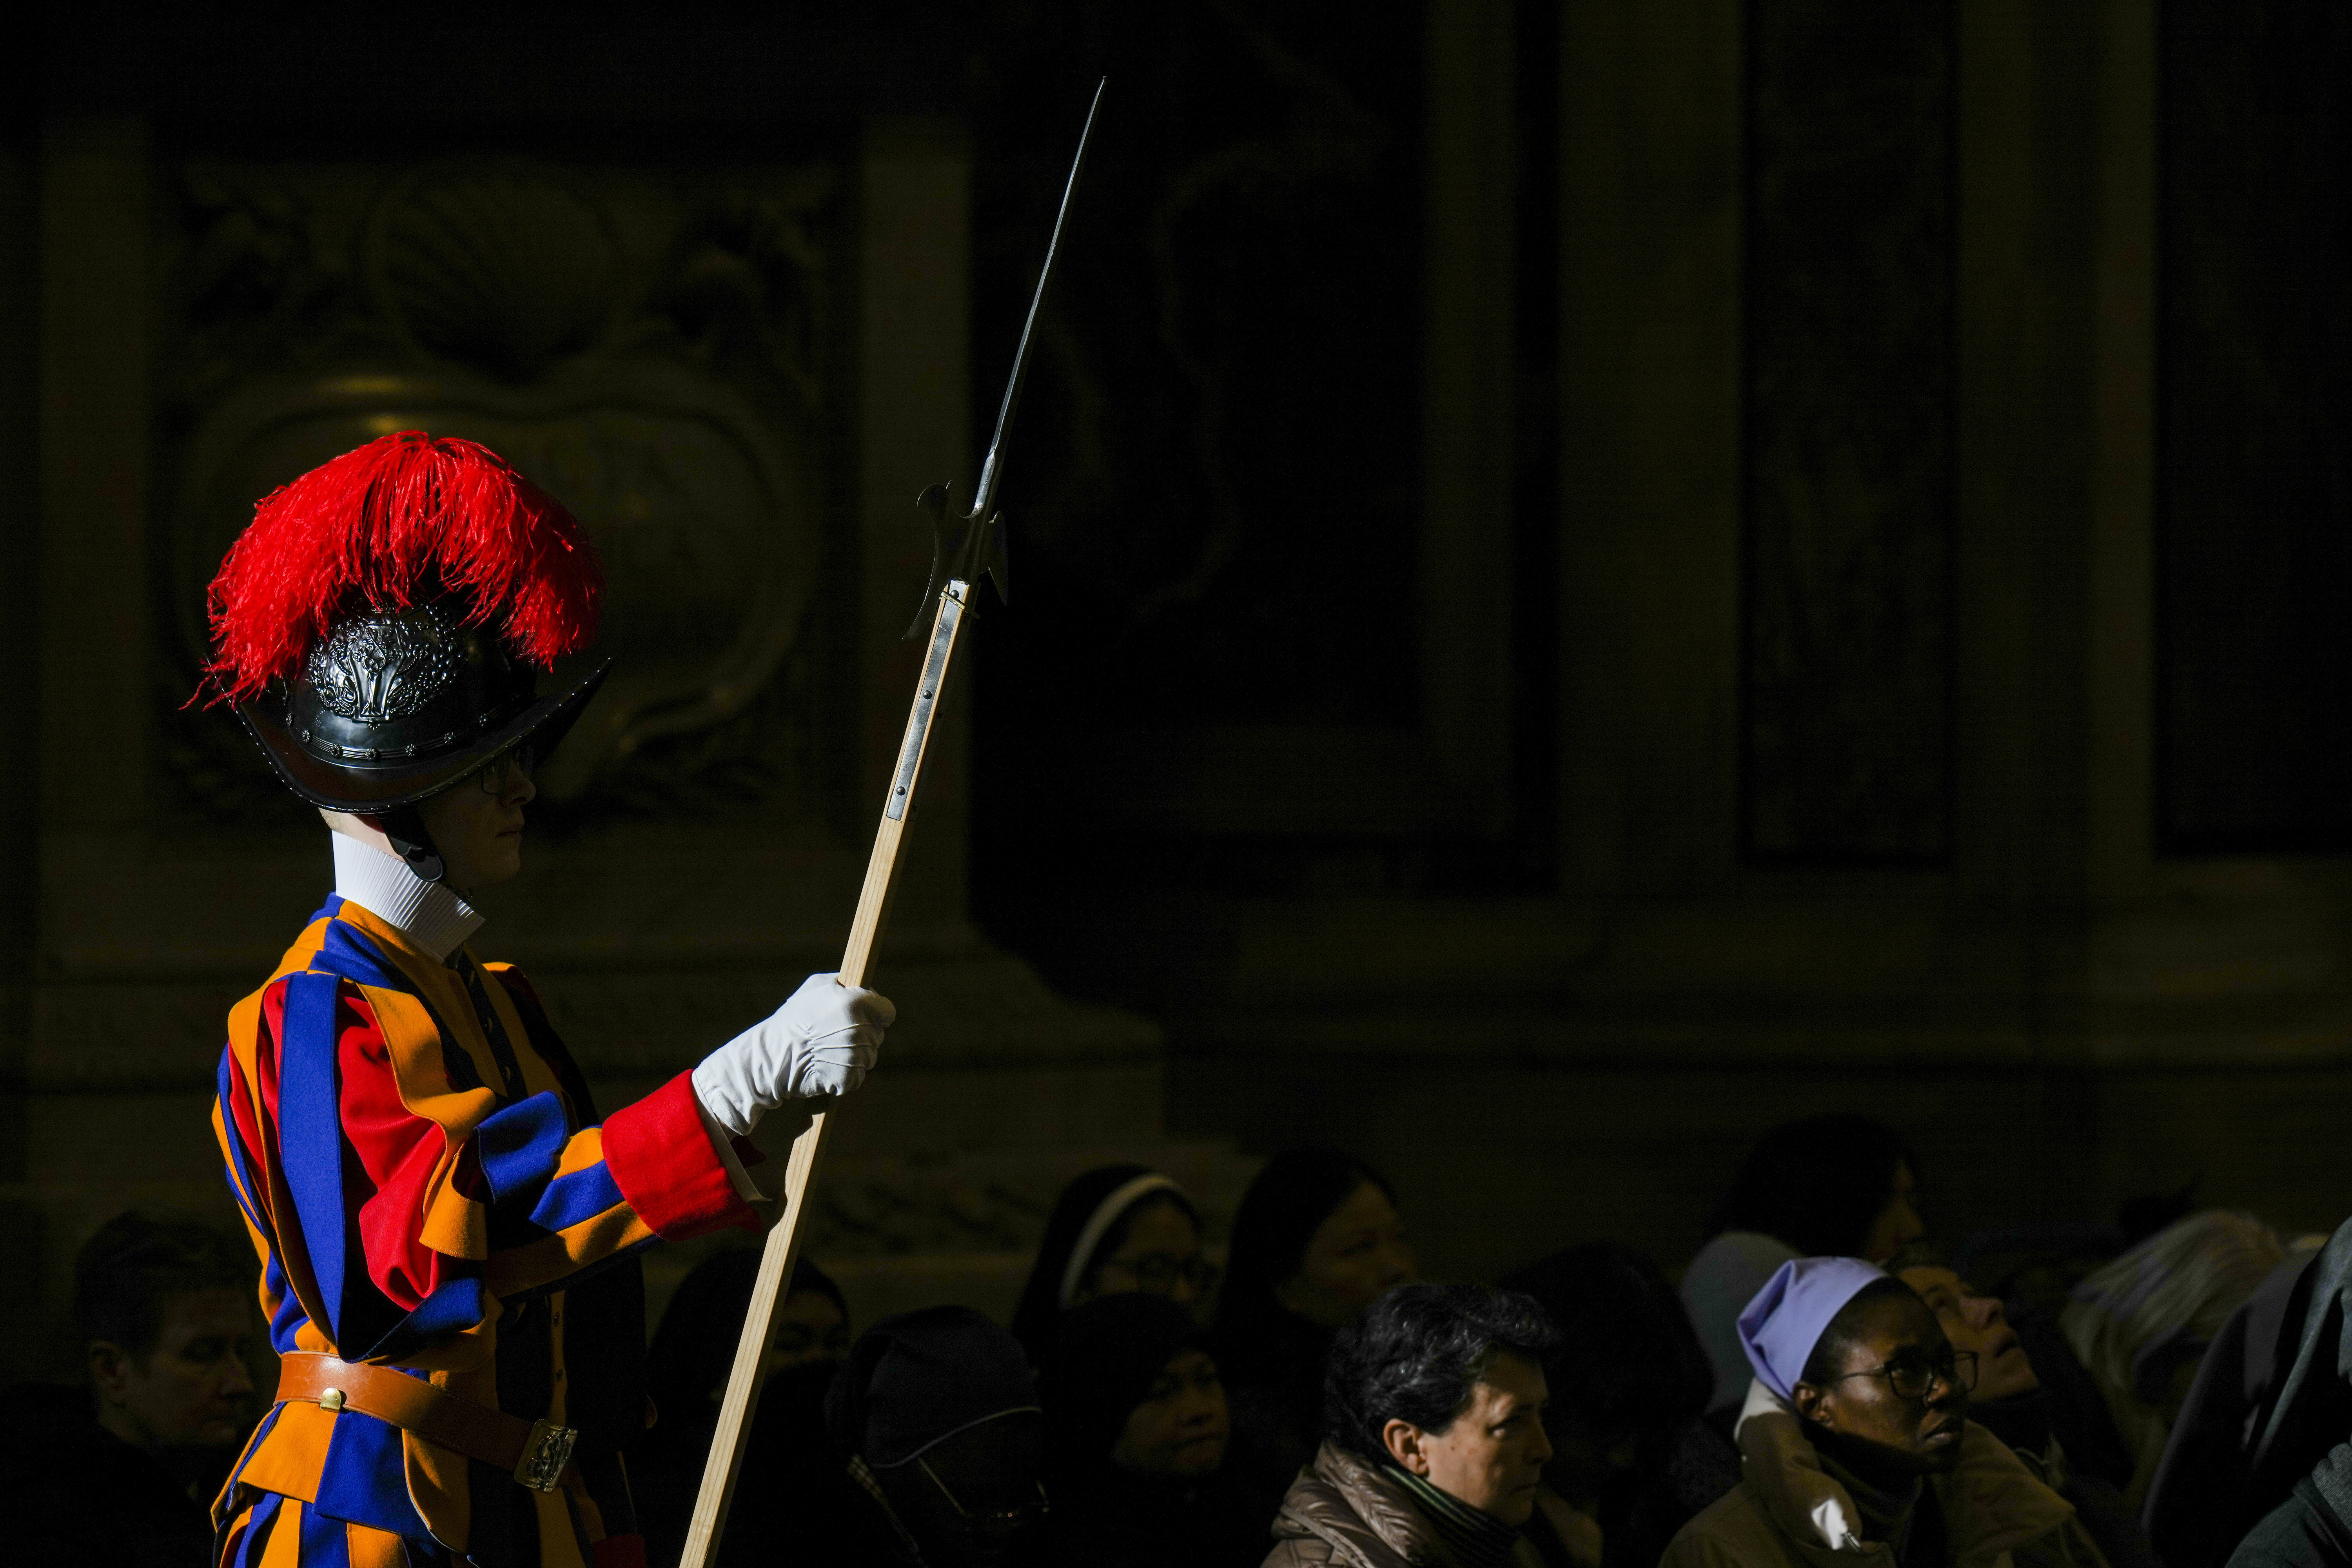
x=535 y=1451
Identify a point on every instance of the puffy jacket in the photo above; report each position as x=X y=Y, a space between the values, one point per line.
x=1342 y=1509
x=1787 y=1512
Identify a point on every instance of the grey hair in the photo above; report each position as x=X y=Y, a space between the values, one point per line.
x=2176 y=1289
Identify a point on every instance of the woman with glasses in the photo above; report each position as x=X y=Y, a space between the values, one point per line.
x=1113 y=1230
x=1855 y=1443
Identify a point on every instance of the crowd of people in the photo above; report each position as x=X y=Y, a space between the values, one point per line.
x=1820 y=1386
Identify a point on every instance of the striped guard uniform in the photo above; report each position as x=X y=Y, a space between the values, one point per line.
x=430 y=1188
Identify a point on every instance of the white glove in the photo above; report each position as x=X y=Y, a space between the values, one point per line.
x=821 y=1041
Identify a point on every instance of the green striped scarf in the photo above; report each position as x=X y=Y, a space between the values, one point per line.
x=1475 y=1537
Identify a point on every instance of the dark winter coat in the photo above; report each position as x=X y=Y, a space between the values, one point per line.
x=1343 y=1511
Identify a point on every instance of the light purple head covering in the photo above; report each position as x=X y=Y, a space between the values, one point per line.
x=1784 y=1323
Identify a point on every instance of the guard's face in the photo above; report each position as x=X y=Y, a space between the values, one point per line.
x=191 y=1390
x=1900 y=1343
x=477 y=822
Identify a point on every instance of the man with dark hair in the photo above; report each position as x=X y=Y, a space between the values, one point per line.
x=1855 y=1442
x=1434 y=1438
x=121 y=1473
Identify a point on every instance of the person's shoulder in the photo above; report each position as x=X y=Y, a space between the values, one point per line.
x=301 y=956
x=1359 y=1516
x=1301 y=1551
x=1312 y=1498
x=1727 y=1530
x=1991 y=1472
x=517 y=983
x=1994 y=1502
x=1313 y=1518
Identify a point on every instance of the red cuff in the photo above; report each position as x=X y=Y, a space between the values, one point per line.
x=662 y=1161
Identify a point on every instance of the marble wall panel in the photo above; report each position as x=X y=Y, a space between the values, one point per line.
x=1847 y=644
x=2254 y=475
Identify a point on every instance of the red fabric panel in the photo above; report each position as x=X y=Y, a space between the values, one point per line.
x=662 y=1162
x=398 y=1151
x=267 y=1060
x=238 y=1109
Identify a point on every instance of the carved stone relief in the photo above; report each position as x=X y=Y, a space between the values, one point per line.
x=654 y=345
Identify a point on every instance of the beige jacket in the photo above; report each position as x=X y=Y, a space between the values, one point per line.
x=1344 y=1511
x=1787 y=1513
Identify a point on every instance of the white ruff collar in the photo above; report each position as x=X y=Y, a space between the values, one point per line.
x=427 y=914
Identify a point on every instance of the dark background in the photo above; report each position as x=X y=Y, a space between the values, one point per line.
x=1587 y=577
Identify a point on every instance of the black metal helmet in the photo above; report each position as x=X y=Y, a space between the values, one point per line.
x=380 y=625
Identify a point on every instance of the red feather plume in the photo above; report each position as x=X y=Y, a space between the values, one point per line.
x=404 y=517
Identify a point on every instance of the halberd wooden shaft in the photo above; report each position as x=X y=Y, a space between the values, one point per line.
x=784 y=1243
x=964 y=547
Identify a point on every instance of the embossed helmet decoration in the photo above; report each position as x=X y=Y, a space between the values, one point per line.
x=380 y=625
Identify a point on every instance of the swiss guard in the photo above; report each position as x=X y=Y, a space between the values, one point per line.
x=448 y=1225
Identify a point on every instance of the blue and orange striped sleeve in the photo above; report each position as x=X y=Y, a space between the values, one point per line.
x=441 y=1191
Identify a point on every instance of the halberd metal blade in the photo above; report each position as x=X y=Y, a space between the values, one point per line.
x=965 y=545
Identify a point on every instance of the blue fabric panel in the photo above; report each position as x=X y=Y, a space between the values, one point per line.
x=364 y=1478
x=581 y=1196
x=261 y=1430
x=289 y=1318
x=348 y=953
x=430 y=1554
x=240 y=1162
x=311 y=1134
x=520 y=1147
x=326 y=1542
x=457 y=1304
x=256 y=1541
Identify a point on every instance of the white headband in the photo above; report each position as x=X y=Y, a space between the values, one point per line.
x=1106 y=1215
